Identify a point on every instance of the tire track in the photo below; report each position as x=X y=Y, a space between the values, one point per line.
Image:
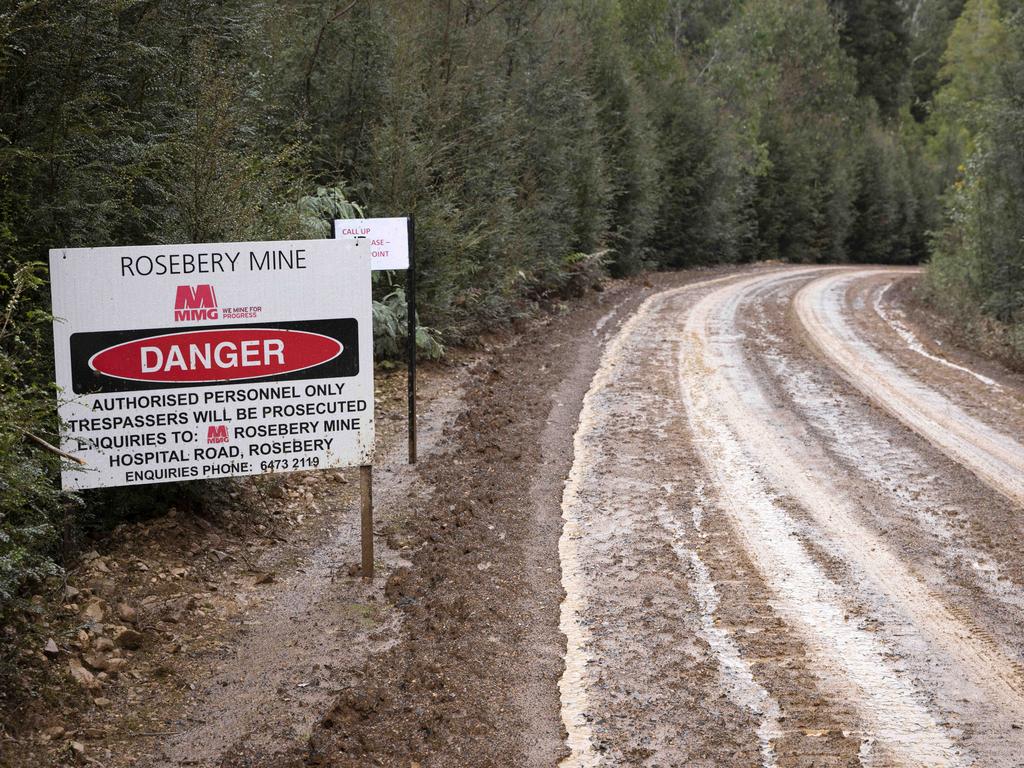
x=954 y=534
x=808 y=681
x=908 y=495
x=899 y=725
x=736 y=673
x=994 y=457
x=596 y=513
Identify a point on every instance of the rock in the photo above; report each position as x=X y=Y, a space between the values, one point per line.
x=51 y=733
x=116 y=666
x=104 y=644
x=70 y=593
x=126 y=613
x=266 y=578
x=97 y=586
x=50 y=649
x=94 y=612
x=77 y=748
x=102 y=702
x=82 y=675
x=129 y=639
x=176 y=610
x=95 y=662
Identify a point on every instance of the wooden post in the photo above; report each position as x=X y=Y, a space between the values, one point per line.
x=410 y=297
x=366 y=499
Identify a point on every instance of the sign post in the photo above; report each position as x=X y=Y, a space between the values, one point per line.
x=366 y=518
x=392 y=246
x=203 y=361
x=410 y=296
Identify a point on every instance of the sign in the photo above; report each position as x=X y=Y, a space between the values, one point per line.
x=193 y=362
x=388 y=239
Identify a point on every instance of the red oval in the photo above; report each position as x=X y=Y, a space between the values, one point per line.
x=221 y=354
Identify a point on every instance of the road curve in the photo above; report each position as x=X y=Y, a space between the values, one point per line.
x=746 y=584
x=996 y=458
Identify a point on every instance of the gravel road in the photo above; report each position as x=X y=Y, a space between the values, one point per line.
x=792 y=537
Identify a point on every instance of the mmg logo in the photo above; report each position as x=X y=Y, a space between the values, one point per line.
x=195 y=302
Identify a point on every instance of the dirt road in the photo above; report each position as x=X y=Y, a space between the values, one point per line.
x=740 y=518
x=792 y=537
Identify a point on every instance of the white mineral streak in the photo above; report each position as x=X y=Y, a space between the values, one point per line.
x=993 y=456
x=851 y=660
x=735 y=674
x=573 y=685
x=914 y=343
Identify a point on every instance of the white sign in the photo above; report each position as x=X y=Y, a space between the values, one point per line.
x=388 y=239
x=192 y=362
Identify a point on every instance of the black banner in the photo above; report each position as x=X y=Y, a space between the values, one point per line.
x=85 y=380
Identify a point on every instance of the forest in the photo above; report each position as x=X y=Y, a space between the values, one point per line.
x=540 y=145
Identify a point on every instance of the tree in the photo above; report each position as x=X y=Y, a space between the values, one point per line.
x=875 y=34
x=977 y=270
x=978 y=46
x=930 y=22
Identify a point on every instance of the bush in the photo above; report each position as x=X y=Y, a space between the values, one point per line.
x=977 y=270
x=30 y=504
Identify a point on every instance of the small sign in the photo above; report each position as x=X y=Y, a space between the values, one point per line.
x=388 y=239
x=201 y=361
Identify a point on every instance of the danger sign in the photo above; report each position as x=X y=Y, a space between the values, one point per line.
x=213 y=360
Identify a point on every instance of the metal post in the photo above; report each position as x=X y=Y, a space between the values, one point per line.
x=366 y=514
x=410 y=297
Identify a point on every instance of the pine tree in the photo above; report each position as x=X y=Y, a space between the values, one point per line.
x=875 y=34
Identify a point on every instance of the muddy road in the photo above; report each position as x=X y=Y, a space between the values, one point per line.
x=792 y=537
x=741 y=518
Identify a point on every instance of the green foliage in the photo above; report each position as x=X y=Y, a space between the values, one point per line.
x=976 y=49
x=977 y=271
x=323 y=207
x=930 y=24
x=781 y=69
x=876 y=35
x=695 y=224
x=120 y=122
x=887 y=226
x=628 y=187
x=391 y=329
x=28 y=494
